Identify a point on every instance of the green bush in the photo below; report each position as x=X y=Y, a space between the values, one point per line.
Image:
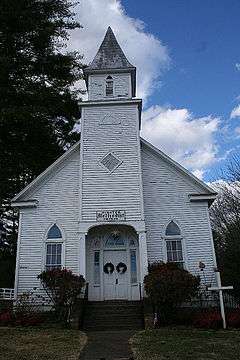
x=168 y=286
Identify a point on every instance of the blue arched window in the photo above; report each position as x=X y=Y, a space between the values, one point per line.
x=54 y=248
x=174 y=250
x=115 y=239
x=54 y=232
x=172 y=229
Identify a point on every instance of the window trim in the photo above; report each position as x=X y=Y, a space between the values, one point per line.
x=175 y=237
x=46 y=241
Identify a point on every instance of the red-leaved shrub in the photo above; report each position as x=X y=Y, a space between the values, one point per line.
x=31 y=320
x=63 y=288
x=208 y=320
x=6 y=318
x=167 y=287
x=233 y=318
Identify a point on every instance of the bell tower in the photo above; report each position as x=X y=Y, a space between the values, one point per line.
x=110 y=75
x=110 y=159
x=110 y=176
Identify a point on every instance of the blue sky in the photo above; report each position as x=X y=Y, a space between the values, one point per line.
x=190 y=50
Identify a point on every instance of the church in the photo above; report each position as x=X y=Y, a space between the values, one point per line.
x=113 y=203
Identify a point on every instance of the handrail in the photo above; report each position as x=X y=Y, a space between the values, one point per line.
x=6 y=294
x=86 y=292
x=142 y=303
x=140 y=291
x=84 y=304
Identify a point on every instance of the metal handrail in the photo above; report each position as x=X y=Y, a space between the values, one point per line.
x=6 y=294
x=140 y=291
x=84 y=304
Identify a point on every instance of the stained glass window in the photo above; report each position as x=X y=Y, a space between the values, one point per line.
x=96 y=267
x=133 y=262
x=172 y=229
x=115 y=239
x=54 y=232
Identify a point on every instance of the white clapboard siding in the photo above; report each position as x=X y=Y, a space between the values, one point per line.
x=97 y=86
x=120 y=189
x=58 y=203
x=166 y=193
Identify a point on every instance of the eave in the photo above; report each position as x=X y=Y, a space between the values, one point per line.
x=202 y=197
x=25 y=204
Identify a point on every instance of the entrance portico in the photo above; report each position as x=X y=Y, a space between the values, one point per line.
x=114 y=262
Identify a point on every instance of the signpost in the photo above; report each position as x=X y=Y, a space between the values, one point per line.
x=220 y=290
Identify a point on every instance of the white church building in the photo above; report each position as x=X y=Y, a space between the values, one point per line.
x=113 y=202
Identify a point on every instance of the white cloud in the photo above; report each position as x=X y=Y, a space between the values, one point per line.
x=237 y=131
x=199 y=173
x=142 y=49
x=188 y=140
x=237 y=65
x=235 y=112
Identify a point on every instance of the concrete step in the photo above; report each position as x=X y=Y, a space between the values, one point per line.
x=113 y=315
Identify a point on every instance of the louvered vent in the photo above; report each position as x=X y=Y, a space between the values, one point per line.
x=111 y=162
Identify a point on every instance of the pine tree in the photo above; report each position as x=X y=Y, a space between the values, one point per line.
x=38 y=106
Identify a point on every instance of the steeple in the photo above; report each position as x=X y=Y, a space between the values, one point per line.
x=110 y=55
x=111 y=60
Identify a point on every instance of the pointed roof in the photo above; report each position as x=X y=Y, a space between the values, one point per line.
x=110 y=55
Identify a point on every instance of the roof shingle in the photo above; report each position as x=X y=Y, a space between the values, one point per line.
x=109 y=55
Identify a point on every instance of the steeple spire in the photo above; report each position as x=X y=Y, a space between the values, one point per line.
x=110 y=55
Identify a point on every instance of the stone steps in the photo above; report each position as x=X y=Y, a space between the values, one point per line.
x=114 y=315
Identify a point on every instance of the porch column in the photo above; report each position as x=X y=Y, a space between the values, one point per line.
x=82 y=254
x=143 y=258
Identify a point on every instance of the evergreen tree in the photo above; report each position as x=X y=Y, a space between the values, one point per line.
x=38 y=106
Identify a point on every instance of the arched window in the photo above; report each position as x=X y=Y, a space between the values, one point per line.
x=109 y=86
x=54 y=248
x=115 y=239
x=172 y=229
x=173 y=239
x=54 y=232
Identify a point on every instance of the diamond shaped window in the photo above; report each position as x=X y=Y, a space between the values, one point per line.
x=110 y=162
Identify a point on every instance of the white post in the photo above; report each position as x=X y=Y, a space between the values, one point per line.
x=143 y=258
x=220 y=289
x=82 y=255
x=219 y=284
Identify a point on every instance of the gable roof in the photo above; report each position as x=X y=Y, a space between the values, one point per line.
x=109 y=55
x=44 y=174
x=194 y=197
x=180 y=168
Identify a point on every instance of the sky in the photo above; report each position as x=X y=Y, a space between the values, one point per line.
x=187 y=56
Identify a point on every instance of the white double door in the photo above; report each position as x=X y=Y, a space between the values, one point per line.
x=115 y=283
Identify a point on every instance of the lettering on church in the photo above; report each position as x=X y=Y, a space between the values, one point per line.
x=111 y=215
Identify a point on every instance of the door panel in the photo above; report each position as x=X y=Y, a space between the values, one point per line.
x=115 y=284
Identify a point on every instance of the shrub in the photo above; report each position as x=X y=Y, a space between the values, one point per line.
x=168 y=286
x=210 y=319
x=6 y=318
x=63 y=287
x=233 y=318
x=29 y=320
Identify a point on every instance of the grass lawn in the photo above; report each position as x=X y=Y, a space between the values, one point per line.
x=186 y=344
x=35 y=343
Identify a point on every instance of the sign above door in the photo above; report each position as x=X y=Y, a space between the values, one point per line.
x=111 y=215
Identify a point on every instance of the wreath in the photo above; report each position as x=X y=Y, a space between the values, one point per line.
x=121 y=268
x=108 y=268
